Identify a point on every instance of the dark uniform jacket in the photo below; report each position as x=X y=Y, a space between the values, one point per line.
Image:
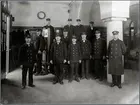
x=99 y=48
x=58 y=52
x=27 y=55
x=78 y=31
x=52 y=33
x=70 y=30
x=66 y=41
x=90 y=34
x=85 y=49
x=115 y=51
x=74 y=53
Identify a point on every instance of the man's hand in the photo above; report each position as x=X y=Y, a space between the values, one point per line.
x=21 y=66
x=80 y=61
x=35 y=64
x=65 y=61
x=90 y=57
x=39 y=52
x=51 y=61
x=68 y=62
x=104 y=57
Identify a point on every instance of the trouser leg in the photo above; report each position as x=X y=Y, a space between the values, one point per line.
x=100 y=71
x=71 y=71
x=118 y=79
x=30 y=80
x=96 y=67
x=24 y=74
x=114 y=79
x=87 y=68
x=61 y=74
x=76 y=67
x=39 y=64
x=83 y=69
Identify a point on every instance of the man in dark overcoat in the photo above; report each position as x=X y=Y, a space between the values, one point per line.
x=85 y=55
x=52 y=32
x=74 y=58
x=69 y=28
x=27 y=59
x=116 y=50
x=79 y=29
x=98 y=54
x=91 y=32
x=58 y=55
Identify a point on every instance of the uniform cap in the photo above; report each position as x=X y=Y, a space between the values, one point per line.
x=27 y=36
x=115 y=32
x=97 y=32
x=91 y=22
x=78 y=19
x=48 y=19
x=57 y=35
x=65 y=30
x=69 y=19
x=83 y=33
x=73 y=37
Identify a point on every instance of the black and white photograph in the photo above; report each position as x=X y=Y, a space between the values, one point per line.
x=69 y=52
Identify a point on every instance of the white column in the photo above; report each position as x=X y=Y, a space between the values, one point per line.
x=114 y=24
x=7 y=44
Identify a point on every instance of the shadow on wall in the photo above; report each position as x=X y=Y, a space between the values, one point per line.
x=90 y=11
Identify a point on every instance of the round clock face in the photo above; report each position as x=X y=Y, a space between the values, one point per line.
x=41 y=15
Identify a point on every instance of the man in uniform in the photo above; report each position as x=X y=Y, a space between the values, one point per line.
x=116 y=49
x=65 y=39
x=79 y=28
x=98 y=54
x=91 y=32
x=39 y=51
x=27 y=60
x=58 y=54
x=86 y=55
x=74 y=58
x=70 y=28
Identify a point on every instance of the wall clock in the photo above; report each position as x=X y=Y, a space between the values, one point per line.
x=41 y=15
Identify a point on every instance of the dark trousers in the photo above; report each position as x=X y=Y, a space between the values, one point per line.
x=24 y=75
x=116 y=79
x=98 y=68
x=59 y=72
x=66 y=70
x=73 y=70
x=39 y=63
x=85 y=68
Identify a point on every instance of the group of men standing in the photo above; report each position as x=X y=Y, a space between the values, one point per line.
x=72 y=52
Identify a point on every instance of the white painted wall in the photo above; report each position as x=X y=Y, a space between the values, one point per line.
x=26 y=14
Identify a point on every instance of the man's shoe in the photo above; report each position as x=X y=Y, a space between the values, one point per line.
x=61 y=82
x=101 y=79
x=77 y=80
x=95 y=77
x=70 y=81
x=36 y=74
x=119 y=86
x=112 y=85
x=32 y=85
x=55 y=82
x=23 y=87
x=82 y=77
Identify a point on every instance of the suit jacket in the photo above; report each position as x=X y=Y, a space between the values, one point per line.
x=27 y=55
x=90 y=34
x=70 y=30
x=116 y=49
x=52 y=33
x=74 y=52
x=58 y=52
x=78 y=31
x=85 y=49
x=99 y=48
